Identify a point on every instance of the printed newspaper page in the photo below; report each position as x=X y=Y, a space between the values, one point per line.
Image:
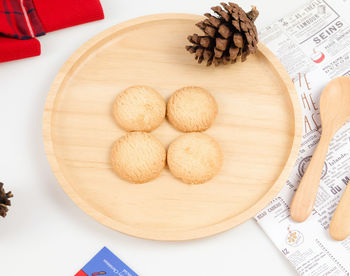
x=313 y=44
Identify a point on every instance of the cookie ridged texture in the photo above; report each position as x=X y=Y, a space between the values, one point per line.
x=138 y=157
x=139 y=108
x=191 y=109
x=194 y=158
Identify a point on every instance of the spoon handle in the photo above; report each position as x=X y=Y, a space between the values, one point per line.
x=340 y=224
x=305 y=196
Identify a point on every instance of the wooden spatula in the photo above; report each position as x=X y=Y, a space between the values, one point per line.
x=340 y=224
x=335 y=111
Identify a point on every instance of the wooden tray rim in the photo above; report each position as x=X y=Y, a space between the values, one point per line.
x=196 y=233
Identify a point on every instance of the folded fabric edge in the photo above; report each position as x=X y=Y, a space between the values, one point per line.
x=13 y=49
x=59 y=14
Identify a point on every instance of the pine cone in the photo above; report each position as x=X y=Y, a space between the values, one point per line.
x=4 y=200
x=228 y=35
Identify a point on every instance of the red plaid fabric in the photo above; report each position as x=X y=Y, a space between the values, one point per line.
x=19 y=19
x=12 y=49
x=59 y=14
x=22 y=20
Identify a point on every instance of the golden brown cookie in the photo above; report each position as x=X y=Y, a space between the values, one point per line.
x=194 y=158
x=139 y=108
x=191 y=109
x=138 y=157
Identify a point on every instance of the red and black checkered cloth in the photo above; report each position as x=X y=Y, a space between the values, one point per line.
x=23 y=20
x=19 y=19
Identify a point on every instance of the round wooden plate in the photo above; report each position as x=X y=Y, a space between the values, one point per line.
x=258 y=128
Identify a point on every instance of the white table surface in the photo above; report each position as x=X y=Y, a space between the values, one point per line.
x=44 y=232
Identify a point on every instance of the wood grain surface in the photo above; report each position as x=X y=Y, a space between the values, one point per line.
x=334 y=112
x=339 y=227
x=258 y=128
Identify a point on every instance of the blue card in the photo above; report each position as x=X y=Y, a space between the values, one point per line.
x=106 y=263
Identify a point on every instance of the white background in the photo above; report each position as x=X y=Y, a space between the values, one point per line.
x=45 y=233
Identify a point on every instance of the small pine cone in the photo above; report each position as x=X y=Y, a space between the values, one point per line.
x=4 y=200
x=228 y=35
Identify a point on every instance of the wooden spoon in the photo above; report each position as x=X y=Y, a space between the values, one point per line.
x=340 y=224
x=335 y=111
